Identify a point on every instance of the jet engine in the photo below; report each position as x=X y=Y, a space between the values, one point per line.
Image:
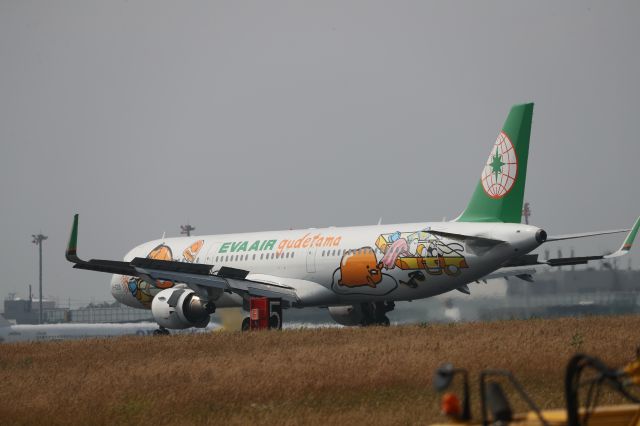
x=179 y=308
x=348 y=315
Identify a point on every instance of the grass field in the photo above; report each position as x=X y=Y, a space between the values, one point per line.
x=316 y=376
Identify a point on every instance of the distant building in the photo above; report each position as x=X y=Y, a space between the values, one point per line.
x=25 y=311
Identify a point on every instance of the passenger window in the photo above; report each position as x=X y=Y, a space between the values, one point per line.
x=254 y=256
x=334 y=252
x=322 y=253
x=261 y=255
x=292 y=253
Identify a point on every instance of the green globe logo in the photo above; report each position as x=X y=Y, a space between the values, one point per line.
x=501 y=170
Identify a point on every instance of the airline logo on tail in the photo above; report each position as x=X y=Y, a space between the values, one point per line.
x=501 y=170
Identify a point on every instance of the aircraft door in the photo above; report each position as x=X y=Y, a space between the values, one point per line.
x=311 y=259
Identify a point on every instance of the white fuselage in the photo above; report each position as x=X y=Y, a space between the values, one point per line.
x=354 y=264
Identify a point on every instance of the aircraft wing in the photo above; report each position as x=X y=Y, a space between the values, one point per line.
x=200 y=277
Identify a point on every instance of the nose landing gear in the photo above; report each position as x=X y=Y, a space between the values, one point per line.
x=161 y=332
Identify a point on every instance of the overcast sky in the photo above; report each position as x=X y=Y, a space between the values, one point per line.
x=241 y=116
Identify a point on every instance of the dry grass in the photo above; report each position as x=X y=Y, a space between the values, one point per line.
x=336 y=376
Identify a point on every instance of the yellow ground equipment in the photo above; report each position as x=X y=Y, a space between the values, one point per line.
x=496 y=409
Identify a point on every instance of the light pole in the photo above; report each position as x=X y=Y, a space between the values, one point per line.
x=37 y=240
x=186 y=229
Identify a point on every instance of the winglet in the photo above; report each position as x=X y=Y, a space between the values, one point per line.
x=628 y=242
x=70 y=254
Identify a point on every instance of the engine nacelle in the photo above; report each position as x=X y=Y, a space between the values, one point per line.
x=348 y=315
x=179 y=308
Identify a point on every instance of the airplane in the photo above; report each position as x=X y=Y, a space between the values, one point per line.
x=358 y=272
x=10 y=333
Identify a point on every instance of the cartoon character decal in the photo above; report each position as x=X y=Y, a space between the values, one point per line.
x=190 y=253
x=142 y=290
x=421 y=250
x=361 y=272
x=139 y=288
x=360 y=267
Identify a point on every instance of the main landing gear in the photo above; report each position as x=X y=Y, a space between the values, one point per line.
x=264 y=314
x=376 y=313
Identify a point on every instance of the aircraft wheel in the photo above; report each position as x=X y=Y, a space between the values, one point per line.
x=275 y=323
x=245 y=324
x=161 y=332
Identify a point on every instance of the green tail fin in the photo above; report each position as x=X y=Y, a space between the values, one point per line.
x=500 y=192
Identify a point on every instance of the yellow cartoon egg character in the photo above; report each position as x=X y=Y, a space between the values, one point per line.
x=189 y=254
x=162 y=252
x=360 y=267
